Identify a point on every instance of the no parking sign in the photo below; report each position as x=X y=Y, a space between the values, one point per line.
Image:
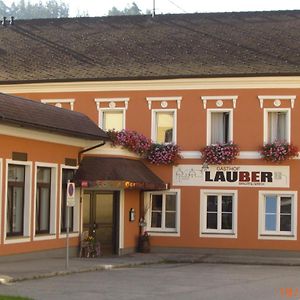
x=71 y=194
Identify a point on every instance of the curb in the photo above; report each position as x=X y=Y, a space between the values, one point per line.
x=205 y=259
x=7 y=279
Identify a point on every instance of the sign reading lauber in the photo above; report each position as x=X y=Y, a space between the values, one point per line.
x=226 y=176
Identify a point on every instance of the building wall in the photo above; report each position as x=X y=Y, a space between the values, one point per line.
x=38 y=154
x=131 y=229
x=248 y=133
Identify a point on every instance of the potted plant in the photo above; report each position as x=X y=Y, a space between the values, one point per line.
x=220 y=153
x=278 y=151
x=144 y=243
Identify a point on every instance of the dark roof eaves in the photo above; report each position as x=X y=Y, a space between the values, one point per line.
x=55 y=130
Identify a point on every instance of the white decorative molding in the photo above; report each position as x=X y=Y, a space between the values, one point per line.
x=219 y=100
x=277 y=99
x=178 y=99
x=242 y=155
x=164 y=104
x=156 y=85
x=112 y=102
x=249 y=155
x=59 y=102
x=277 y=102
x=191 y=154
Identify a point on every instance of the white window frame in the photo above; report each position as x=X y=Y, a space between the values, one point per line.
x=59 y=102
x=110 y=105
x=27 y=202
x=208 y=123
x=218 y=233
x=53 y=201
x=277 y=235
x=154 y=113
x=76 y=214
x=147 y=205
x=104 y=110
x=266 y=127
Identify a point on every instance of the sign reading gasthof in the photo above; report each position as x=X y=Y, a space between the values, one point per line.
x=226 y=176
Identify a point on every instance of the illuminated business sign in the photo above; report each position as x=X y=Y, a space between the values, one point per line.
x=226 y=176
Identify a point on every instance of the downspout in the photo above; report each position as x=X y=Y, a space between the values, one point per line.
x=81 y=190
x=88 y=149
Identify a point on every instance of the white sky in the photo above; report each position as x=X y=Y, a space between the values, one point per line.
x=101 y=7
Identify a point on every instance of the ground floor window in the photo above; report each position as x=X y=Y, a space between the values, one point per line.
x=43 y=196
x=18 y=199
x=277 y=214
x=15 y=200
x=162 y=211
x=45 y=200
x=218 y=211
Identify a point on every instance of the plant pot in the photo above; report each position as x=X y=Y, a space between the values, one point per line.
x=144 y=245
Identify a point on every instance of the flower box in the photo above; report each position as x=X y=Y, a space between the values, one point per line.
x=158 y=154
x=278 y=151
x=220 y=153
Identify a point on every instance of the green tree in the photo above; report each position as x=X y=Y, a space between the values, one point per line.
x=129 y=10
x=27 y=10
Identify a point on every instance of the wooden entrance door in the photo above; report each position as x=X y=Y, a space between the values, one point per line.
x=100 y=218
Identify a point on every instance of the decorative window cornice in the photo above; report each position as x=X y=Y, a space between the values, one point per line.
x=277 y=100
x=164 y=101
x=59 y=102
x=111 y=103
x=219 y=100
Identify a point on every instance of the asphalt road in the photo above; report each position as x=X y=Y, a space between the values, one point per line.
x=168 y=281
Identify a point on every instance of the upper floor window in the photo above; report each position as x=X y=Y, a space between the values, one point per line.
x=112 y=113
x=277 y=214
x=164 y=126
x=112 y=119
x=219 y=127
x=164 y=118
x=277 y=125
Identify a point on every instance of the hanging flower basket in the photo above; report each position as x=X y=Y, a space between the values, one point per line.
x=278 y=151
x=220 y=153
x=158 y=154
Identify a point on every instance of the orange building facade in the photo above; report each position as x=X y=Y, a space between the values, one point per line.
x=246 y=204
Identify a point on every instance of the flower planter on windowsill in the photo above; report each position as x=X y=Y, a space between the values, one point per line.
x=220 y=153
x=278 y=151
x=157 y=154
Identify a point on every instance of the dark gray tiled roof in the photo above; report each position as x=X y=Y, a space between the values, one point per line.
x=34 y=115
x=142 y=47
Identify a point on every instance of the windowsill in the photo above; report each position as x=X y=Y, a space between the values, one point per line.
x=63 y=235
x=277 y=236
x=164 y=233
x=43 y=237
x=230 y=235
x=16 y=240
